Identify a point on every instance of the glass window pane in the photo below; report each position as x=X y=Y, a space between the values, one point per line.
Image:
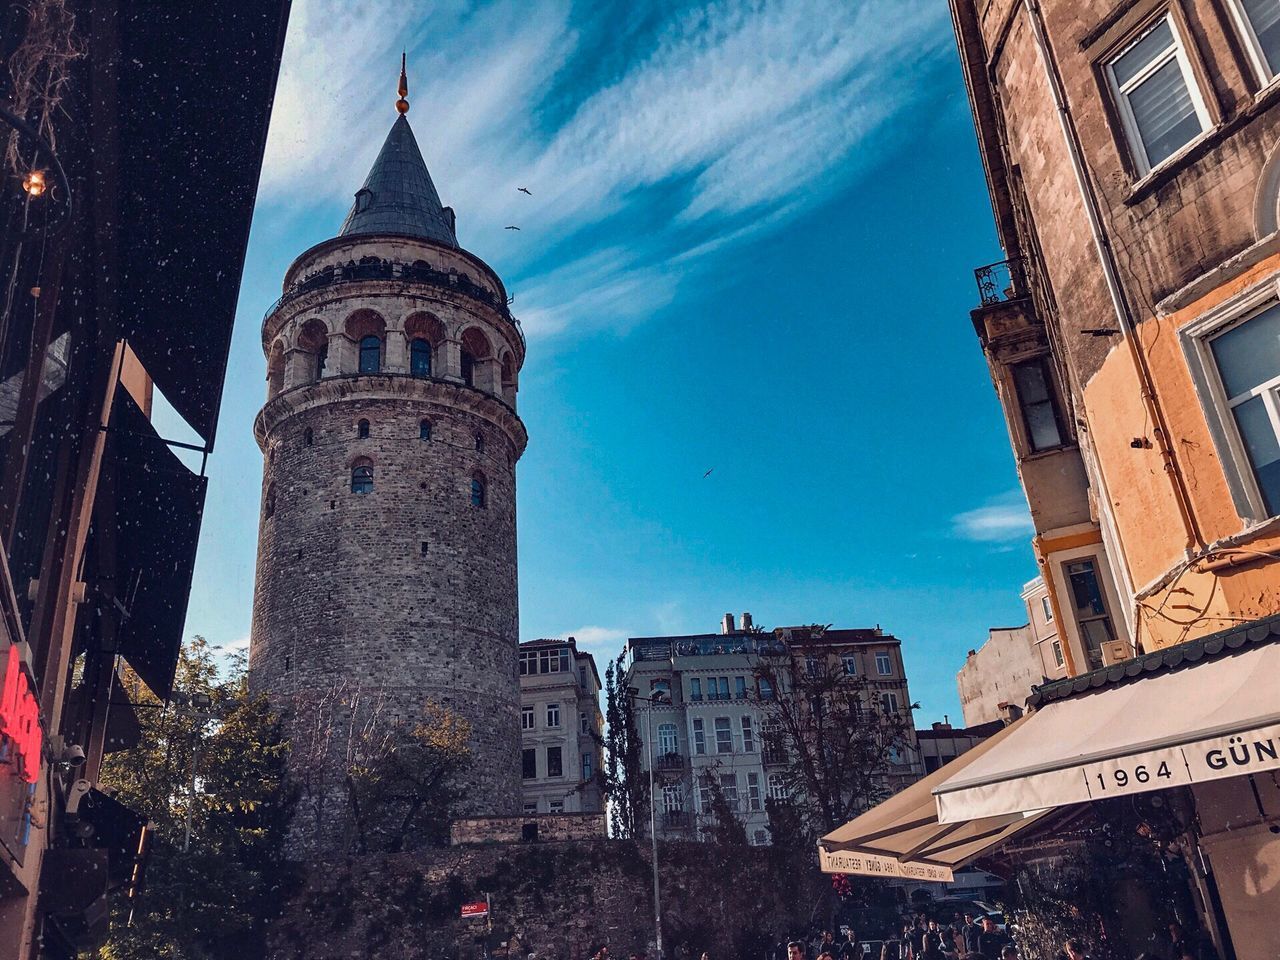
x=1127 y=66
x=1036 y=401
x=1264 y=17
x=1164 y=112
x=1249 y=355
x=1085 y=590
x=1264 y=452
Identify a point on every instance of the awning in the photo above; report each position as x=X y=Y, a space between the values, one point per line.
x=1206 y=721
x=903 y=837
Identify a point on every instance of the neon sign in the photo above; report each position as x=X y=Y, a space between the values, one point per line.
x=20 y=733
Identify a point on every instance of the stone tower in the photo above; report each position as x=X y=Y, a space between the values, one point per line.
x=386 y=567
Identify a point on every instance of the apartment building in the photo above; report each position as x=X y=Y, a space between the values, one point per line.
x=1132 y=332
x=561 y=728
x=704 y=714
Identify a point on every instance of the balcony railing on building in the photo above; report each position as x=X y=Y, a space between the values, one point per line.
x=1001 y=281
x=668 y=762
x=677 y=820
x=719 y=645
x=773 y=756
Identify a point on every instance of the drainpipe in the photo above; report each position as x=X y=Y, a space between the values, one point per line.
x=1195 y=542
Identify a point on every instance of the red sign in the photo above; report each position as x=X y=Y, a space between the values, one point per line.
x=20 y=734
x=472 y=911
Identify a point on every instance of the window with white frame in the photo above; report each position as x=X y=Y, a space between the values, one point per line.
x=1246 y=355
x=777 y=787
x=1047 y=608
x=531 y=808
x=754 y=801
x=729 y=788
x=889 y=701
x=813 y=666
x=1032 y=384
x=553 y=714
x=1090 y=607
x=850 y=664
x=695 y=688
x=667 y=741
x=699 y=737
x=1057 y=653
x=884 y=665
x=1155 y=89
x=1259 y=23
x=760 y=838
x=526 y=718
x=704 y=796
x=748 y=736
x=587 y=770
x=724 y=735
x=672 y=798
x=555 y=806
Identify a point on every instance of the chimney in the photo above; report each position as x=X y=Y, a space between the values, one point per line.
x=726 y=625
x=747 y=623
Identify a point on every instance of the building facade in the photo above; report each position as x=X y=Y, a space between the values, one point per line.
x=705 y=715
x=1132 y=154
x=561 y=729
x=386 y=571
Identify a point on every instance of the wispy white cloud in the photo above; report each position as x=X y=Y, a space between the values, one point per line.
x=722 y=123
x=607 y=641
x=1003 y=519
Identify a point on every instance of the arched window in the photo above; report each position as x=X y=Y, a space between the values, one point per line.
x=370 y=354
x=468 y=368
x=308 y=437
x=362 y=429
x=420 y=358
x=362 y=478
x=479 y=442
x=477 y=492
x=424 y=430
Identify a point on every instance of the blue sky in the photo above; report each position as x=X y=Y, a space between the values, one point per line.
x=749 y=249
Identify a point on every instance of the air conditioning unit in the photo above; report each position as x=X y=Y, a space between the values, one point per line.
x=1115 y=651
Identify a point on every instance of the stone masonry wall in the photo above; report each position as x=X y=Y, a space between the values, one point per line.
x=406 y=593
x=550 y=826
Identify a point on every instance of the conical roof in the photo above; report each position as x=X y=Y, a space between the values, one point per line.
x=398 y=195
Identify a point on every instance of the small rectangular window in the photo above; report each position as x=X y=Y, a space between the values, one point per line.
x=1057 y=653
x=695 y=689
x=766 y=689
x=699 y=737
x=740 y=687
x=555 y=806
x=553 y=714
x=1259 y=23
x=729 y=787
x=813 y=666
x=531 y=808
x=884 y=665
x=748 y=736
x=724 y=735
x=1036 y=402
x=1090 y=608
x=586 y=767
x=555 y=762
x=724 y=688
x=584 y=722
x=1047 y=607
x=889 y=701
x=1157 y=95
x=672 y=798
x=529 y=764
x=526 y=718
x=850 y=664
x=754 y=802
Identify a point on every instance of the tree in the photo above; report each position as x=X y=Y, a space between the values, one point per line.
x=375 y=781
x=626 y=786
x=214 y=899
x=836 y=740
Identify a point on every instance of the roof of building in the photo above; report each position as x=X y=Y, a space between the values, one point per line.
x=978 y=730
x=833 y=637
x=1211 y=647
x=398 y=196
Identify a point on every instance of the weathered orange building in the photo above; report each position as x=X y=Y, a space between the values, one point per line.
x=1132 y=152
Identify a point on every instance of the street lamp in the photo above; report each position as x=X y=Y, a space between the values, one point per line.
x=657 y=697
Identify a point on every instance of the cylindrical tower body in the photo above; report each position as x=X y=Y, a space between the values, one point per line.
x=386 y=572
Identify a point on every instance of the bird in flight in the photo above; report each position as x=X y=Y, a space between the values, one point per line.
x=525 y=190
x=512 y=228
x=707 y=474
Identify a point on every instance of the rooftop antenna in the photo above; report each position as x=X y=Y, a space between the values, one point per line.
x=402 y=105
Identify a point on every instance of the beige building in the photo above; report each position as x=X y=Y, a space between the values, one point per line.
x=715 y=722
x=561 y=728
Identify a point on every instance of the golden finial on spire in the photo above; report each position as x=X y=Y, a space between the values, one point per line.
x=402 y=105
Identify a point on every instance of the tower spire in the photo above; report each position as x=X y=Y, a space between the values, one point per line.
x=402 y=105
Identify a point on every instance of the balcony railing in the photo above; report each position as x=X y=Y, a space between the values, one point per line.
x=677 y=820
x=419 y=271
x=669 y=761
x=725 y=645
x=1001 y=281
x=773 y=757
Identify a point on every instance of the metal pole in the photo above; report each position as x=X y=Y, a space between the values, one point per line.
x=191 y=787
x=653 y=833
